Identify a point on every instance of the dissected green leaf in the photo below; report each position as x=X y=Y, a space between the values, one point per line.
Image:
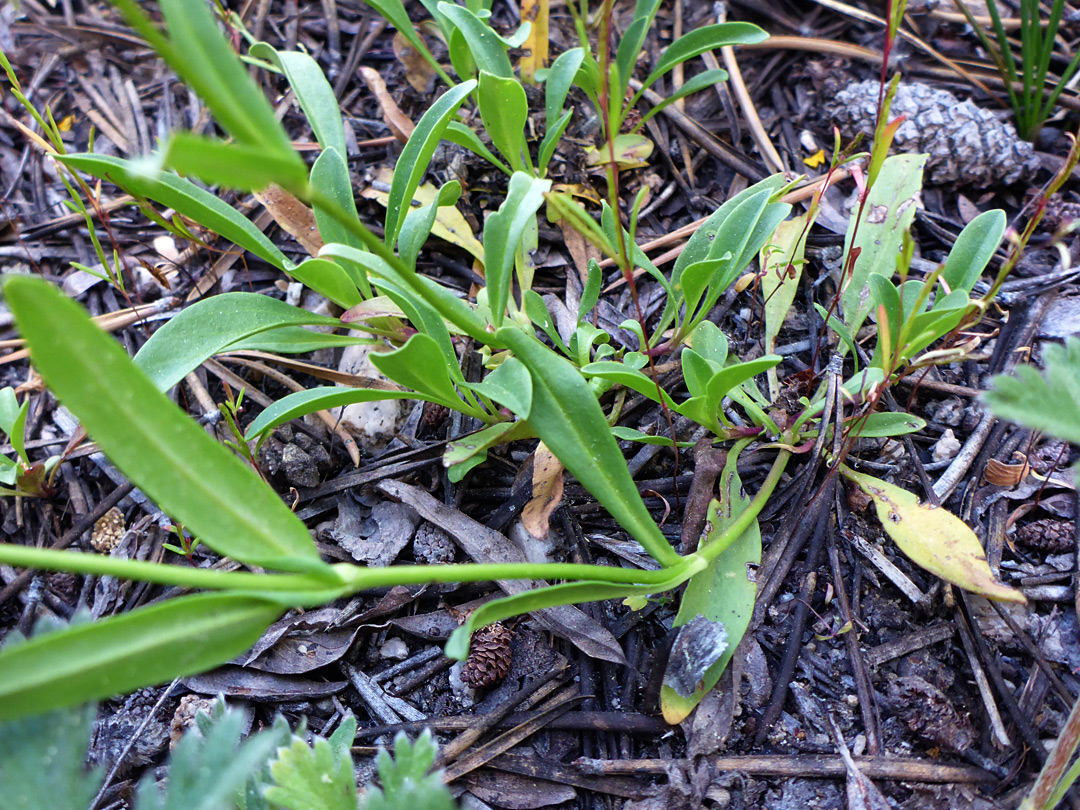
x=1046 y=402
x=313 y=777
x=209 y=326
x=217 y=497
x=41 y=761
x=208 y=768
x=724 y=592
x=405 y=780
x=146 y=646
x=933 y=538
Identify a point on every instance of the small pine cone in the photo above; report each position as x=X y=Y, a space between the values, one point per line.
x=1051 y=536
x=434 y=415
x=184 y=717
x=432 y=546
x=108 y=531
x=489 y=656
x=964 y=143
x=1059 y=213
x=65 y=586
x=1051 y=453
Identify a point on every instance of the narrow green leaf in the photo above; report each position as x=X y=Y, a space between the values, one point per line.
x=414 y=159
x=505 y=112
x=293 y=340
x=627 y=377
x=509 y=384
x=457 y=132
x=13 y=420
x=886 y=424
x=419 y=221
x=781 y=263
x=193 y=478
x=973 y=250
x=145 y=647
x=503 y=231
x=557 y=85
x=317 y=399
x=420 y=365
x=699 y=82
x=312 y=90
x=330 y=174
x=569 y=420
x=486 y=47
x=184 y=197
x=704 y=39
x=551 y=141
x=394 y=12
x=329 y=280
x=209 y=326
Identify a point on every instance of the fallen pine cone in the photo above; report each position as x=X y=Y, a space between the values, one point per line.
x=489 y=656
x=963 y=142
x=108 y=531
x=1049 y=535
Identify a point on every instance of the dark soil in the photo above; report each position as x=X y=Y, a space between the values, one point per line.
x=952 y=699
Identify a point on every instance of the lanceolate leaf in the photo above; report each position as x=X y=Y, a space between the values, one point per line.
x=723 y=593
x=209 y=326
x=233 y=165
x=504 y=111
x=414 y=159
x=973 y=249
x=146 y=646
x=184 y=197
x=704 y=39
x=193 y=478
x=485 y=46
x=569 y=420
x=933 y=538
x=502 y=235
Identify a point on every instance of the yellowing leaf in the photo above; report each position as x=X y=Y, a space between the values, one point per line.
x=65 y=123
x=815 y=159
x=449 y=223
x=631 y=152
x=934 y=539
x=536 y=45
x=547 y=491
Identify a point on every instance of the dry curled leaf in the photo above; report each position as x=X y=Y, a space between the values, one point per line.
x=934 y=539
x=418 y=72
x=547 y=492
x=295 y=218
x=400 y=124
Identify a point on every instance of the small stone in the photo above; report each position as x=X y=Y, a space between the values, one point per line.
x=299 y=467
x=184 y=717
x=946 y=447
x=108 y=531
x=394 y=649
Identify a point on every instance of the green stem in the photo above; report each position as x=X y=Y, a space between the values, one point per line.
x=713 y=549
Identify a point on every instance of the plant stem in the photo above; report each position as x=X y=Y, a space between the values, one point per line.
x=717 y=545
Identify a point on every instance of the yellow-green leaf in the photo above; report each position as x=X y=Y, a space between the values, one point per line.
x=934 y=539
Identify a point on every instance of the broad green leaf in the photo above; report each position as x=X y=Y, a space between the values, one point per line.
x=569 y=420
x=317 y=399
x=184 y=197
x=710 y=343
x=457 y=132
x=145 y=647
x=560 y=77
x=631 y=435
x=702 y=80
x=933 y=539
x=697 y=371
x=420 y=365
x=704 y=39
x=627 y=377
x=781 y=262
x=724 y=592
x=509 y=385
x=233 y=165
x=1046 y=402
x=13 y=420
x=723 y=381
x=505 y=112
x=41 y=761
x=210 y=325
x=502 y=236
x=417 y=153
x=312 y=777
x=973 y=250
x=197 y=481
x=463 y=454
x=878 y=234
x=487 y=49
x=313 y=92
x=329 y=280
x=886 y=423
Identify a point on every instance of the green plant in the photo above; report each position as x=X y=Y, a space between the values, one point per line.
x=1047 y=402
x=21 y=476
x=212 y=768
x=533 y=390
x=1026 y=84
